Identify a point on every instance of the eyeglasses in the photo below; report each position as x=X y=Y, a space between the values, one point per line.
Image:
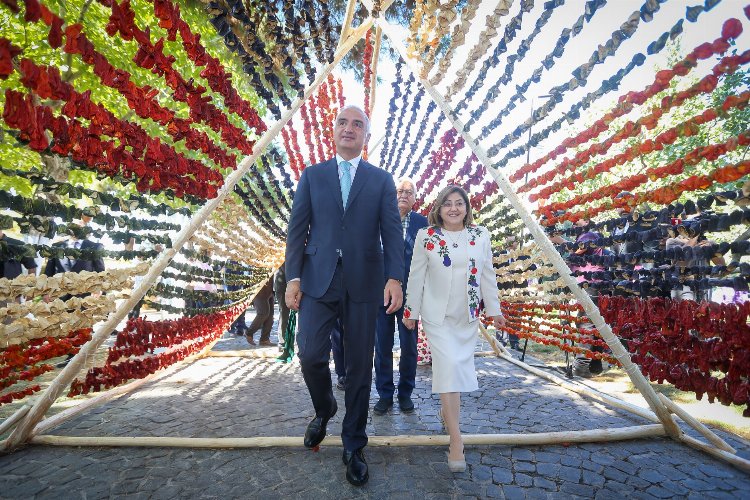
x=450 y=204
x=405 y=192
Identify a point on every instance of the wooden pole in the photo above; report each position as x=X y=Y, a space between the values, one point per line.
x=590 y=436
x=584 y=391
x=378 y=143
x=698 y=426
x=496 y=346
x=270 y=353
x=346 y=26
x=56 y=388
x=734 y=460
x=9 y=422
x=374 y=66
x=619 y=352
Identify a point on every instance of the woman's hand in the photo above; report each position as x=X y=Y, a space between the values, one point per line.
x=498 y=321
x=410 y=324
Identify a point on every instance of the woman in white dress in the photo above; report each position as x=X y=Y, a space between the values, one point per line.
x=451 y=275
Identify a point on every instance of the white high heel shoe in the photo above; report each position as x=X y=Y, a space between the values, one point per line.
x=456 y=465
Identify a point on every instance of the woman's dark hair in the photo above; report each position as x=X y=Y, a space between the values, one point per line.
x=434 y=219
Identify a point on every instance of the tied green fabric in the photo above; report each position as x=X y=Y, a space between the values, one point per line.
x=291 y=326
x=346 y=180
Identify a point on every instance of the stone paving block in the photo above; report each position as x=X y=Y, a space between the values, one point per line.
x=659 y=492
x=524 y=467
x=592 y=466
x=467 y=487
x=570 y=474
x=614 y=474
x=651 y=476
x=523 y=454
x=545 y=484
x=548 y=469
x=481 y=473
x=581 y=490
x=514 y=492
x=523 y=480
x=501 y=475
x=592 y=478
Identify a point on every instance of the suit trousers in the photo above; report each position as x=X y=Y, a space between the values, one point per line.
x=263 y=320
x=317 y=317
x=407 y=366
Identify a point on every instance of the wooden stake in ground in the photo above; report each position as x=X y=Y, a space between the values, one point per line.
x=619 y=352
x=58 y=385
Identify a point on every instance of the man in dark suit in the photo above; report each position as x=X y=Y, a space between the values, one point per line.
x=13 y=255
x=344 y=237
x=411 y=222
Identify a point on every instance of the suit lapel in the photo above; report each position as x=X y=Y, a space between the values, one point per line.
x=363 y=172
x=331 y=174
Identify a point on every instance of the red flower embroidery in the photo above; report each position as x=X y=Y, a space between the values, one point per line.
x=431 y=231
x=472 y=243
x=407 y=313
x=430 y=246
x=442 y=243
x=473 y=270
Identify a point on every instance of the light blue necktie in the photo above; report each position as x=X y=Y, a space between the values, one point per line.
x=346 y=180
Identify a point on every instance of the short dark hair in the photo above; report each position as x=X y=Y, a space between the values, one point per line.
x=434 y=218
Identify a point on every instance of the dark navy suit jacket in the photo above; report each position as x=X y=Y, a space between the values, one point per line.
x=319 y=226
x=416 y=222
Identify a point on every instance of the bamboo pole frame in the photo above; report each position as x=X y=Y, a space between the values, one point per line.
x=564 y=437
x=732 y=459
x=697 y=425
x=270 y=353
x=346 y=25
x=584 y=391
x=543 y=241
x=56 y=388
x=9 y=422
x=374 y=66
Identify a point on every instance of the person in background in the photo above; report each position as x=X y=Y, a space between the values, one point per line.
x=263 y=321
x=451 y=276
x=411 y=222
x=14 y=257
x=583 y=366
x=232 y=272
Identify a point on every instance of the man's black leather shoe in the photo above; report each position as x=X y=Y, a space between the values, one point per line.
x=406 y=405
x=356 y=467
x=316 y=429
x=382 y=406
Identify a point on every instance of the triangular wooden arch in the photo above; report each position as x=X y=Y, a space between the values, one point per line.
x=28 y=419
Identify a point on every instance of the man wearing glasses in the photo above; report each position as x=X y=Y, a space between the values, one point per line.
x=411 y=222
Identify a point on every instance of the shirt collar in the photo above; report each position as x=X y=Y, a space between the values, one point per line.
x=354 y=161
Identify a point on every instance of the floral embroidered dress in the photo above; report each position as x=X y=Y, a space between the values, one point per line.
x=458 y=261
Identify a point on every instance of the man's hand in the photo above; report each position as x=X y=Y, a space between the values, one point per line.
x=498 y=321
x=293 y=295
x=410 y=324
x=393 y=295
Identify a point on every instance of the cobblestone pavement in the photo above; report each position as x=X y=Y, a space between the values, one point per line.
x=245 y=397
